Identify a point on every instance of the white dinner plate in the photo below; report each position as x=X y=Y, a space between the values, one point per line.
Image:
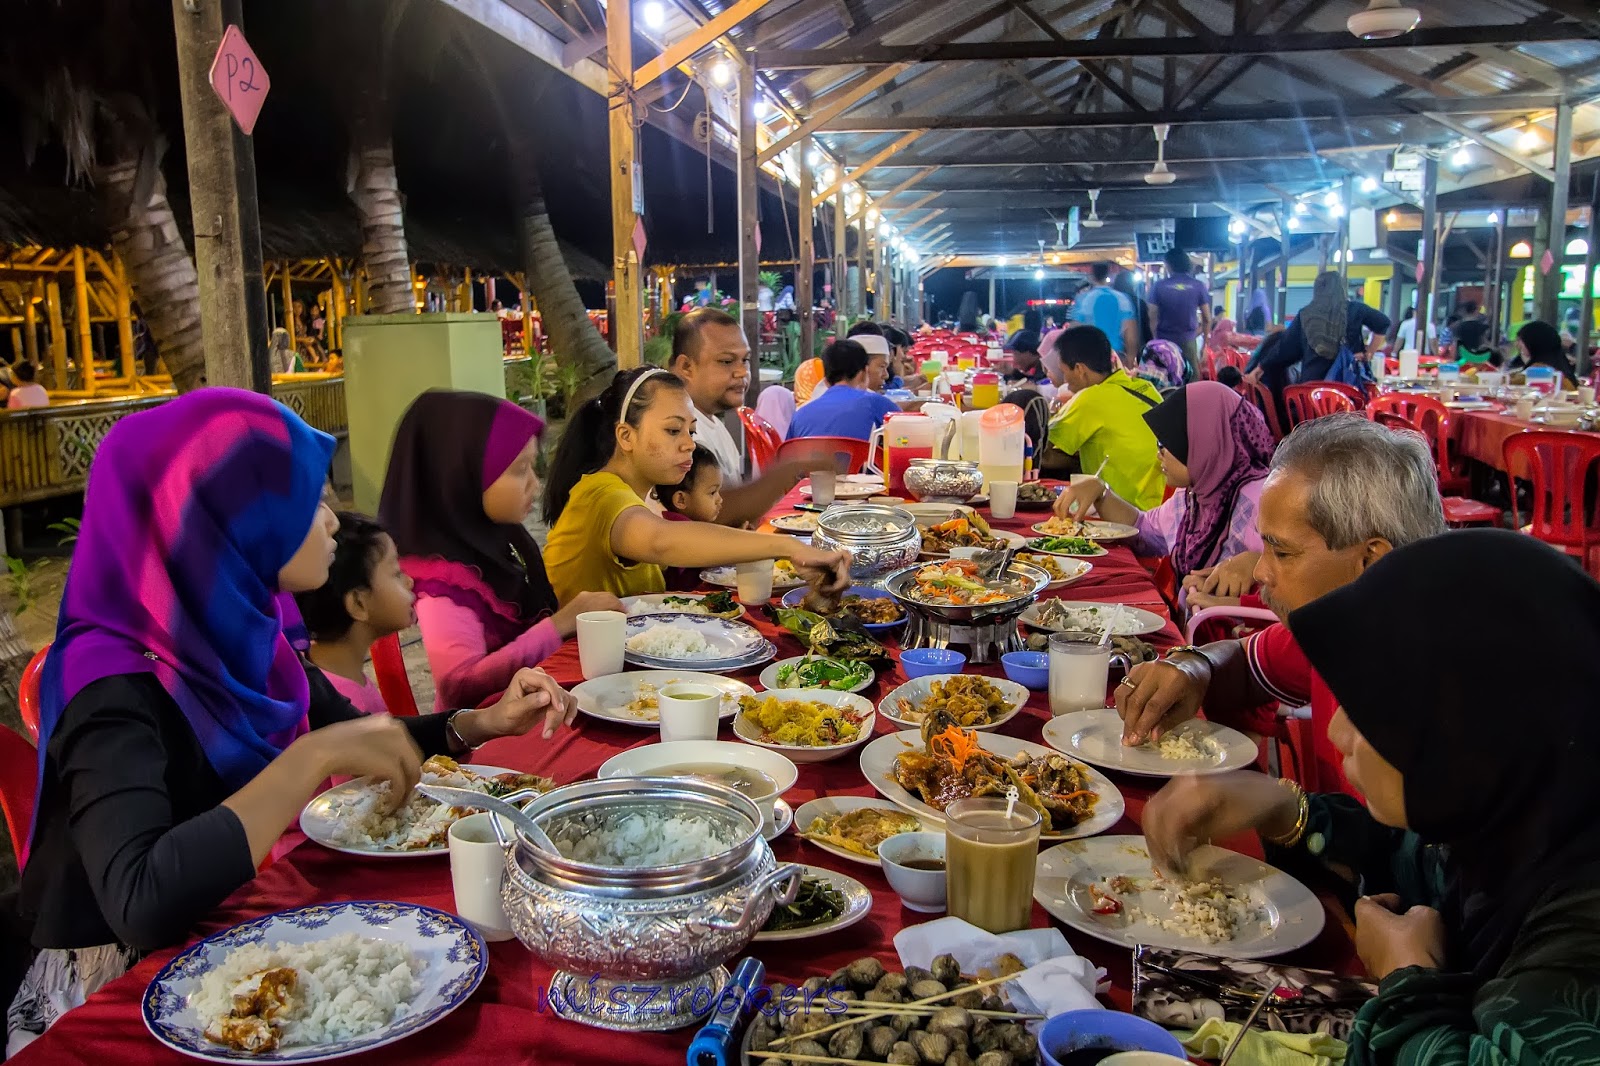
x=454 y=959
x=1094 y=529
x=828 y=806
x=1136 y=622
x=1095 y=736
x=1289 y=915
x=918 y=688
x=607 y=698
x=769 y=676
x=857 y=905
x=878 y=759
x=848 y=490
x=656 y=603
x=730 y=644
x=1075 y=569
x=320 y=817
x=747 y=731
x=727 y=577
x=803 y=522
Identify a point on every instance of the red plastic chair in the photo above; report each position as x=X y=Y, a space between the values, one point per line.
x=28 y=693
x=764 y=438
x=1425 y=415
x=1261 y=396
x=19 y=777
x=394 y=684
x=1559 y=464
x=850 y=455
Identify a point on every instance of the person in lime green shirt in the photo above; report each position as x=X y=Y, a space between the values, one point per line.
x=1104 y=420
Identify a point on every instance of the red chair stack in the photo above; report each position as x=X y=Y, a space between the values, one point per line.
x=764 y=438
x=1432 y=419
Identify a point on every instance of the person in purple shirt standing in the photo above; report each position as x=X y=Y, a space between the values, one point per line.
x=852 y=406
x=1180 y=309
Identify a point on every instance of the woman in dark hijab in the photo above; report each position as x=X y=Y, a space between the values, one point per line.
x=1330 y=320
x=1478 y=851
x=1539 y=344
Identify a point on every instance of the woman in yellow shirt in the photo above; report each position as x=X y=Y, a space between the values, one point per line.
x=603 y=538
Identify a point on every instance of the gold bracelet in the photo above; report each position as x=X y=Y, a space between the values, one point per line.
x=1302 y=816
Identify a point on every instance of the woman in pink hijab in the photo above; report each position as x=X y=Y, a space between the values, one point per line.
x=1215 y=451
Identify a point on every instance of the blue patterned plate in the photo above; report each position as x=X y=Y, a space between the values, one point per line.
x=729 y=643
x=453 y=955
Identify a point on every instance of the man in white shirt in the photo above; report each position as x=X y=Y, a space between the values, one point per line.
x=712 y=358
x=1406 y=336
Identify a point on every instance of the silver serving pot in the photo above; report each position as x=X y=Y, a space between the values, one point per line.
x=880 y=538
x=655 y=923
x=943 y=480
x=1028 y=580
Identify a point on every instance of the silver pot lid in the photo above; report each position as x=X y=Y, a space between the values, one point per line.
x=960 y=466
x=866 y=523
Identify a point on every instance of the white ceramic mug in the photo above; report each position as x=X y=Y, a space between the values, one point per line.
x=477 y=864
x=824 y=483
x=689 y=711
x=1524 y=408
x=1002 y=500
x=1586 y=394
x=602 y=640
x=754 y=582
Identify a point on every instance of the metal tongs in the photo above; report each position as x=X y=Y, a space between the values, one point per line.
x=506 y=807
x=994 y=565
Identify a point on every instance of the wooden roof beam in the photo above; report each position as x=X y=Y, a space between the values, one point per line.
x=882 y=197
x=896 y=212
x=830 y=108
x=1494 y=146
x=1116 y=47
x=702 y=37
x=857 y=173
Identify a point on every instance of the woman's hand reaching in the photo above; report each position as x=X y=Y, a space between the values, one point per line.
x=833 y=567
x=1191 y=811
x=532 y=697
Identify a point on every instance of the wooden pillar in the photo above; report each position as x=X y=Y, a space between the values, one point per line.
x=991 y=292
x=1549 y=308
x=749 y=225
x=864 y=257
x=85 y=330
x=286 y=295
x=841 y=259
x=1491 y=263
x=627 y=191
x=1428 y=253
x=30 y=322
x=222 y=195
x=336 y=312
x=129 y=362
x=1396 y=283
x=805 y=277
x=1348 y=195
x=58 y=334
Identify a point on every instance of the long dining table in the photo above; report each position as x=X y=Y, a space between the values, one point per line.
x=507 y=1020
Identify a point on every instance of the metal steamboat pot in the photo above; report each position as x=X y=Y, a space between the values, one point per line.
x=629 y=941
x=880 y=538
x=989 y=628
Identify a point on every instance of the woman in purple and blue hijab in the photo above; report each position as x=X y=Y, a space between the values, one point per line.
x=180 y=734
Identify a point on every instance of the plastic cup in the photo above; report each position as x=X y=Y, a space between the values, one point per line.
x=602 y=640
x=1079 y=670
x=689 y=712
x=989 y=856
x=824 y=483
x=1003 y=500
x=1586 y=394
x=1524 y=408
x=754 y=581
x=477 y=865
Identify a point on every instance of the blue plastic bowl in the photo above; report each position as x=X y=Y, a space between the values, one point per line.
x=1108 y=1029
x=866 y=592
x=1030 y=669
x=919 y=662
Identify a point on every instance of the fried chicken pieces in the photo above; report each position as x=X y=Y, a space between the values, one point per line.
x=257 y=1000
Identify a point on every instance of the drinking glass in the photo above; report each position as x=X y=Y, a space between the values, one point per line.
x=602 y=640
x=754 y=581
x=689 y=712
x=1003 y=500
x=989 y=859
x=824 y=483
x=1079 y=670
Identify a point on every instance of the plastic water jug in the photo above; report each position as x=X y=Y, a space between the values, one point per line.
x=905 y=436
x=970 y=432
x=1543 y=378
x=1001 y=435
x=985 y=390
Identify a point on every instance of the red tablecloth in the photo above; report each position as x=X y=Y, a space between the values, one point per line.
x=502 y=1023
x=1482 y=434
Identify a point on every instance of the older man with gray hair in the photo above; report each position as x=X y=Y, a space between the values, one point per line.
x=1342 y=494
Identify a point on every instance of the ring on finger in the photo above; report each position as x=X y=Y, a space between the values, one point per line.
x=1128 y=682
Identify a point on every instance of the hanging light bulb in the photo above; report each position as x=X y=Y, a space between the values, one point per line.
x=1369 y=185
x=1300 y=208
x=1332 y=199
x=655 y=16
x=1336 y=209
x=720 y=74
x=1461 y=159
x=1493 y=218
x=872 y=215
x=1522 y=250
x=1391 y=218
x=813 y=157
x=1138 y=277
x=1294 y=223
x=763 y=108
x=1038 y=274
x=1000 y=260
x=1529 y=140
x=827 y=176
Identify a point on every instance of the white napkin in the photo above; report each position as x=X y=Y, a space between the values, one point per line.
x=1057 y=978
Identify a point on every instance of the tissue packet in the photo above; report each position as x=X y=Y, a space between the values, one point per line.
x=1182 y=989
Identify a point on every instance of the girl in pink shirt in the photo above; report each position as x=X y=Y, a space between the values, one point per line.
x=367 y=597
x=460 y=485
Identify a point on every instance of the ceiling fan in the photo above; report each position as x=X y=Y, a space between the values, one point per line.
x=1061 y=236
x=1159 y=174
x=1094 y=221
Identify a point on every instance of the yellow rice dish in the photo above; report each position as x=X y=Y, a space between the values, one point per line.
x=800 y=723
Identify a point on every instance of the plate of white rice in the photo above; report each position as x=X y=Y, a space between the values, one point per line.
x=671 y=641
x=1226 y=904
x=1195 y=747
x=315 y=983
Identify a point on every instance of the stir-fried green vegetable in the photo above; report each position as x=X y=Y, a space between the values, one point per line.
x=815 y=903
x=1067 y=545
x=815 y=671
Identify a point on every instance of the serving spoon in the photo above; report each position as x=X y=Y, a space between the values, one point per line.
x=506 y=808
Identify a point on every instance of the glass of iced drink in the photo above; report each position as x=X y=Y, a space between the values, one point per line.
x=989 y=858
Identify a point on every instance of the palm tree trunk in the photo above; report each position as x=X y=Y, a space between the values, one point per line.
x=573 y=338
x=161 y=271
x=375 y=190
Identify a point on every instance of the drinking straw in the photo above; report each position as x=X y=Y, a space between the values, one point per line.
x=1112 y=622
